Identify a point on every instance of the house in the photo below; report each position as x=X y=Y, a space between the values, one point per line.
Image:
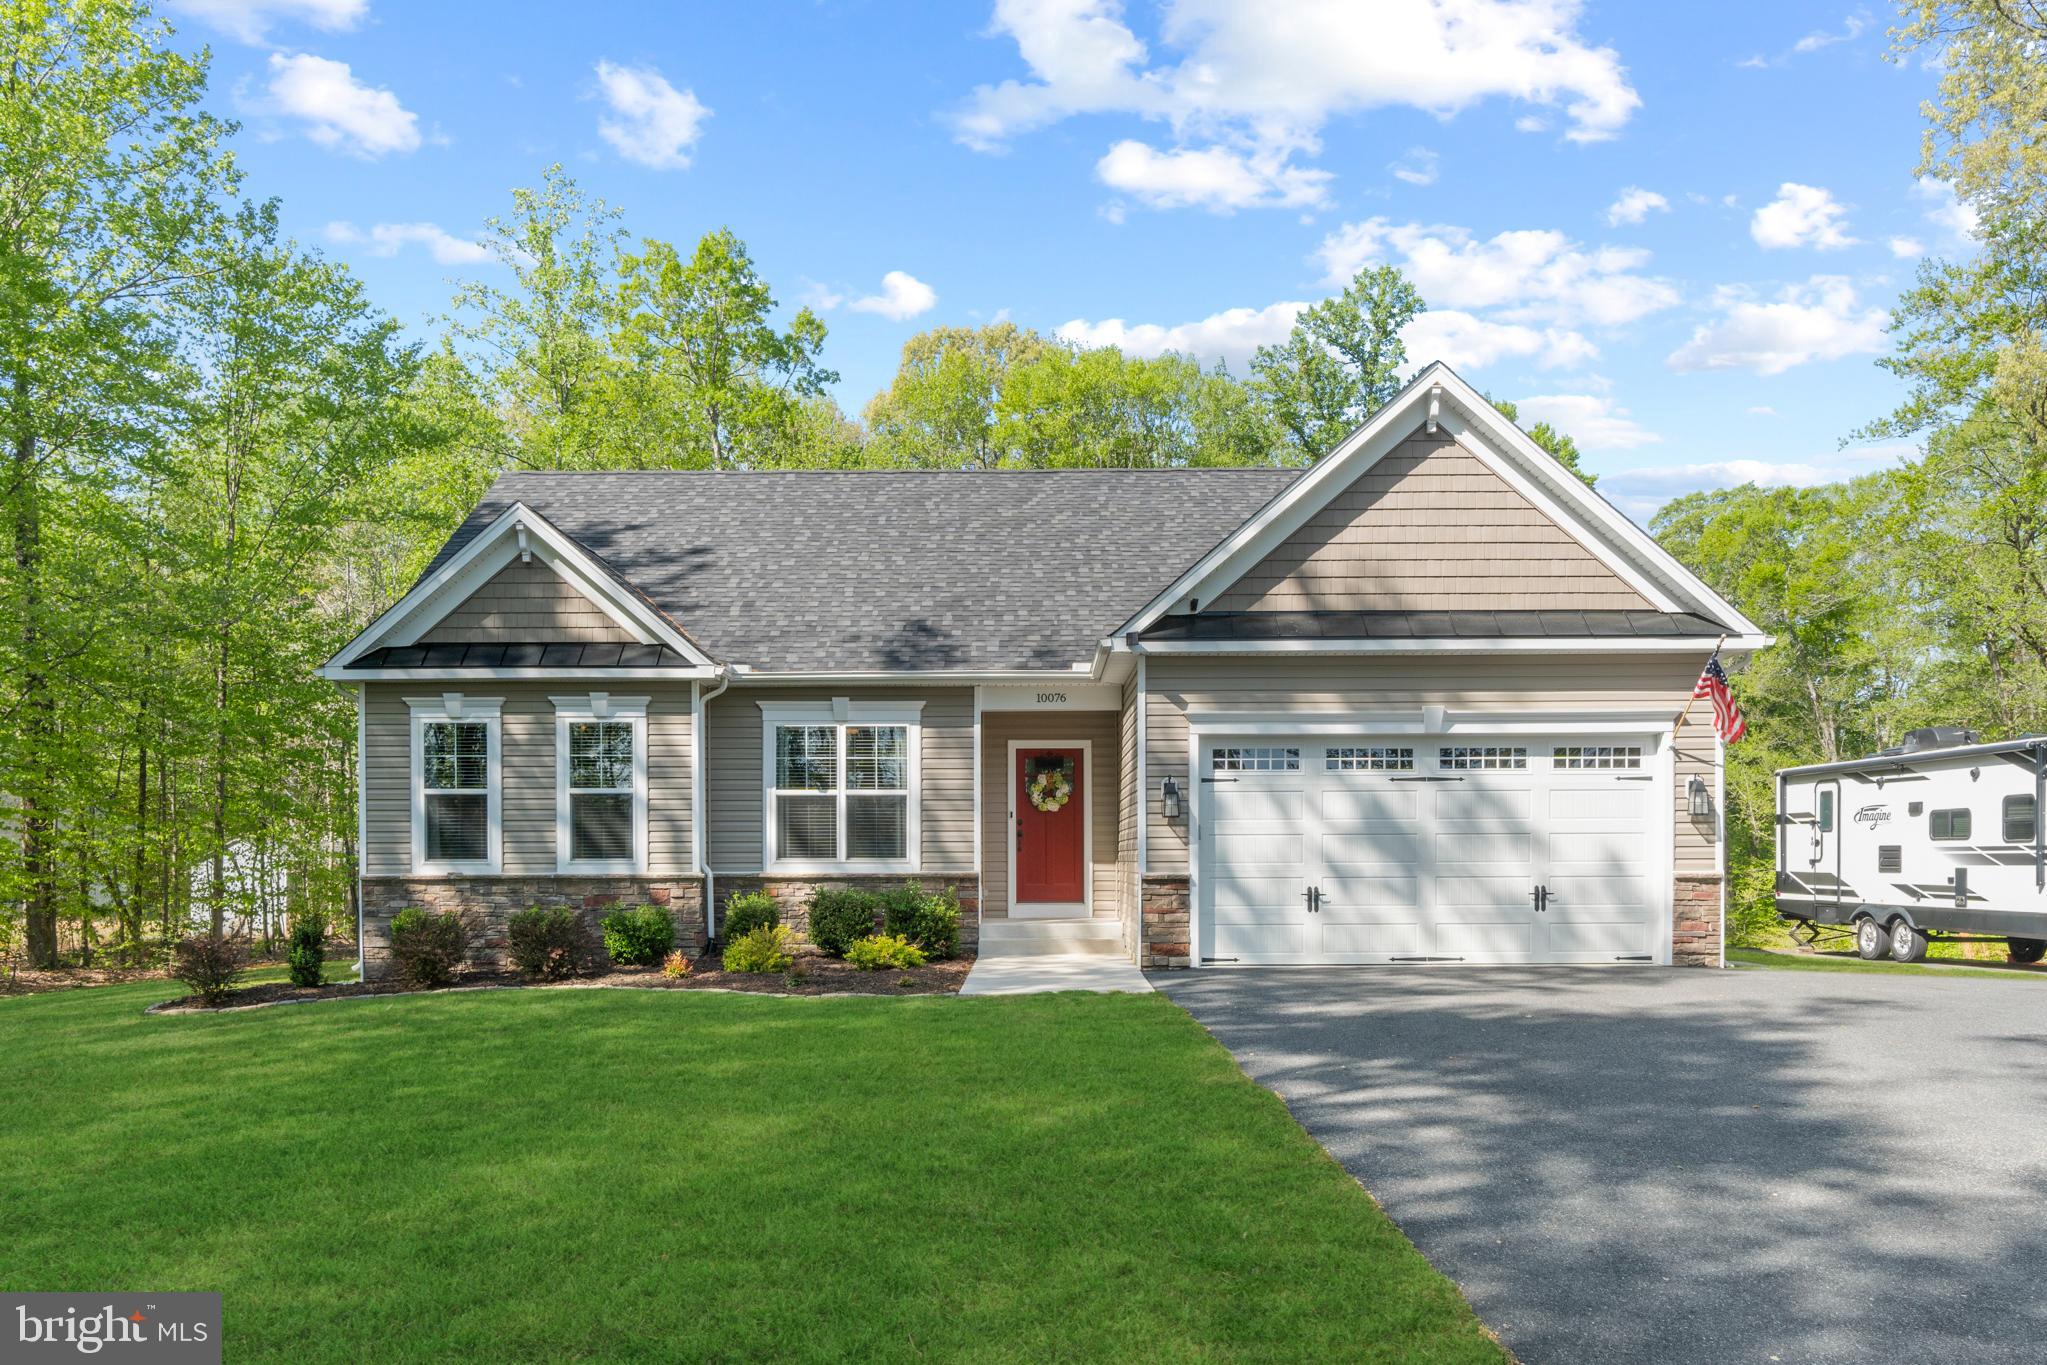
x=1415 y=703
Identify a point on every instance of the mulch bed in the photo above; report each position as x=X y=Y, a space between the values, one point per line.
x=30 y=981
x=814 y=974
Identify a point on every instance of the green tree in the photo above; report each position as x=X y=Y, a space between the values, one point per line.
x=1561 y=447
x=940 y=410
x=109 y=173
x=1341 y=363
x=695 y=344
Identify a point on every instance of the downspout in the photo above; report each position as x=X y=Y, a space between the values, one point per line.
x=1720 y=832
x=2040 y=815
x=362 y=801
x=700 y=705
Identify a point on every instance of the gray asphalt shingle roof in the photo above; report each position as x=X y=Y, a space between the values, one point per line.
x=881 y=570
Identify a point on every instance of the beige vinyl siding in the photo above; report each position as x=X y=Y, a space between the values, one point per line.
x=527 y=773
x=1129 y=895
x=998 y=789
x=735 y=791
x=1429 y=528
x=1517 y=682
x=526 y=604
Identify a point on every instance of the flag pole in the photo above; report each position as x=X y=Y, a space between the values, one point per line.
x=1695 y=691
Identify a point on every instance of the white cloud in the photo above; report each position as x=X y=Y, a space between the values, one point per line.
x=1850 y=30
x=1640 y=492
x=250 y=20
x=655 y=124
x=1801 y=215
x=1249 y=76
x=822 y=297
x=1231 y=335
x=1945 y=211
x=338 y=110
x=1531 y=123
x=1635 y=204
x=1761 y=410
x=1818 y=320
x=1418 y=167
x=1531 y=275
x=1594 y=421
x=1907 y=248
x=1467 y=342
x=1215 y=178
x=902 y=296
x=387 y=239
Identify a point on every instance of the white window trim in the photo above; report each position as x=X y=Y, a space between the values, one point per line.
x=599 y=706
x=841 y=712
x=454 y=706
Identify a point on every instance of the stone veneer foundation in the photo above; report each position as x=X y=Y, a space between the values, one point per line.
x=488 y=902
x=793 y=894
x=1695 y=931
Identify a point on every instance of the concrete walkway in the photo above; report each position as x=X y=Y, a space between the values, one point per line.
x=1028 y=974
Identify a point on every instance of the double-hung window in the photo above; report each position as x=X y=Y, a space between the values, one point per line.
x=455 y=784
x=841 y=785
x=600 y=746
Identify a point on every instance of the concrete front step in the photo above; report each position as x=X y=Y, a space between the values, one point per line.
x=1045 y=937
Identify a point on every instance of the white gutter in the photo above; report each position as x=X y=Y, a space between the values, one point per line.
x=699 y=701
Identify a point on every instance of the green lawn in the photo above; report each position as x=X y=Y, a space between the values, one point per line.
x=1848 y=962
x=600 y=1175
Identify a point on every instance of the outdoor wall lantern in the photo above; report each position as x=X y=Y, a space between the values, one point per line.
x=1169 y=798
x=1701 y=797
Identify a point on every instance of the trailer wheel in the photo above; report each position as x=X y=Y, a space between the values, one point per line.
x=1907 y=943
x=1872 y=942
x=2026 y=949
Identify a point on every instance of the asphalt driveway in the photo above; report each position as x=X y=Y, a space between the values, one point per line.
x=1680 y=1165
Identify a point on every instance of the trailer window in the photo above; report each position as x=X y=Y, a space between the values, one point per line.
x=1949 y=824
x=2021 y=820
x=1826 y=811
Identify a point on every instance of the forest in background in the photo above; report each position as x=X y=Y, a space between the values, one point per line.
x=222 y=459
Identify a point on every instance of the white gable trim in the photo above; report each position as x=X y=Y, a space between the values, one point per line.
x=1439 y=396
x=516 y=532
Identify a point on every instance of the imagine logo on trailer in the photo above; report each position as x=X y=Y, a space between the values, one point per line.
x=173 y=1329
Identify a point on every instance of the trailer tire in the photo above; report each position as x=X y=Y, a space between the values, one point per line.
x=1872 y=940
x=2026 y=949
x=1908 y=943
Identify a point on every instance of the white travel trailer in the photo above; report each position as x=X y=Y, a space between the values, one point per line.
x=1940 y=837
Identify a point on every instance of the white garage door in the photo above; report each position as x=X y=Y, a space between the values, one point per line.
x=1404 y=850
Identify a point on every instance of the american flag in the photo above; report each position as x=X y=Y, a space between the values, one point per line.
x=1728 y=722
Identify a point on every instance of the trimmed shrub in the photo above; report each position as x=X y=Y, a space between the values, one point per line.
x=428 y=946
x=876 y=951
x=838 y=915
x=306 y=955
x=764 y=948
x=640 y=936
x=676 y=966
x=209 y=964
x=744 y=914
x=929 y=920
x=547 y=942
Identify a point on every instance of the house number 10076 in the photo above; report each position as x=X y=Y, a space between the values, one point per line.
x=1051 y=699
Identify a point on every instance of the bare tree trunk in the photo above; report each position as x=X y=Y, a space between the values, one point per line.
x=38 y=711
x=217 y=888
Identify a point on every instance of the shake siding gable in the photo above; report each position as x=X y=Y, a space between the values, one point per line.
x=527 y=604
x=1429 y=528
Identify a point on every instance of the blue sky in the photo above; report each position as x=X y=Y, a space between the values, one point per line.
x=1674 y=230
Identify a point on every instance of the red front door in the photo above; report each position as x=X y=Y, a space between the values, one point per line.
x=1051 y=827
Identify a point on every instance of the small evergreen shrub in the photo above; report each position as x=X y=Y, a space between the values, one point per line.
x=744 y=914
x=306 y=954
x=428 y=946
x=640 y=936
x=877 y=951
x=764 y=948
x=931 y=920
x=547 y=942
x=838 y=915
x=209 y=964
x=675 y=966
